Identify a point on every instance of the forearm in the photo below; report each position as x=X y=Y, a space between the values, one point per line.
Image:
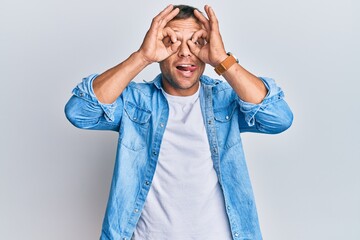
x=272 y=115
x=247 y=86
x=109 y=85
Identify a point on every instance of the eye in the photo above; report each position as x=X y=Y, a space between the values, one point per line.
x=200 y=42
x=167 y=41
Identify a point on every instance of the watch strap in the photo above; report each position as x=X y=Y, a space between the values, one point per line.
x=226 y=64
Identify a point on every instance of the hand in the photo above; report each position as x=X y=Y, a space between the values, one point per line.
x=213 y=52
x=153 y=48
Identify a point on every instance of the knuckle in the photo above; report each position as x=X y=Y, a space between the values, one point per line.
x=156 y=19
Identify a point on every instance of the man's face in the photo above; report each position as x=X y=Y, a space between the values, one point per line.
x=182 y=70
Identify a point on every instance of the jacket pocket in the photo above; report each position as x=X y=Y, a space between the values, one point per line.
x=227 y=128
x=225 y=114
x=135 y=126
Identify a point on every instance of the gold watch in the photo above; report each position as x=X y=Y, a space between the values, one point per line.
x=226 y=64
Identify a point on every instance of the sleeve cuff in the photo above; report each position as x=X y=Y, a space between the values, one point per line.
x=250 y=109
x=85 y=91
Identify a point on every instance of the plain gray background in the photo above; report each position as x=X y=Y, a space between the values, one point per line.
x=55 y=178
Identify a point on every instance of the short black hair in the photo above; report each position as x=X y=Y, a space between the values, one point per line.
x=186 y=12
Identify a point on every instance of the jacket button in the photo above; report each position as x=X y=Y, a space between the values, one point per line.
x=227 y=117
x=161 y=125
x=236 y=234
x=147 y=183
x=136 y=210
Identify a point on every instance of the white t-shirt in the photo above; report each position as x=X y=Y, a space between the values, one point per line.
x=185 y=201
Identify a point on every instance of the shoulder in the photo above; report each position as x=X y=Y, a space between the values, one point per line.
x=221 y=90
x=140 y=94
x=143 y=89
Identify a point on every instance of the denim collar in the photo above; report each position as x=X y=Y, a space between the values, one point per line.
x=203 y=79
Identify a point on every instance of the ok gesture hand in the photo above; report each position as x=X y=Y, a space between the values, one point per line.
x=213 y=52
x=153 y=48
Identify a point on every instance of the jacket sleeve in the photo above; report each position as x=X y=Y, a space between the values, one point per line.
x=84 y=110
x=272 y=115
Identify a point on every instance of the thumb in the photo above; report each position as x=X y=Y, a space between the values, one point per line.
x=175 y=46
x=195 y=49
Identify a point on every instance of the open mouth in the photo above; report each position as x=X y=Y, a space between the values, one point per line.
x=186 y=67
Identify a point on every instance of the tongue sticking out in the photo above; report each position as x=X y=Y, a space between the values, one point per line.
x=187 y=68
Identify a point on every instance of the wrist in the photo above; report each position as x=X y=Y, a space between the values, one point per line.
x=141 y=58
x=220 y=59
x=227 y=63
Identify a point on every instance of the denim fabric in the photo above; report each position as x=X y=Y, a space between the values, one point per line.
x=140 y=115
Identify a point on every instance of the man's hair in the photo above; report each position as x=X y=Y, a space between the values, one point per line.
x=186 y=12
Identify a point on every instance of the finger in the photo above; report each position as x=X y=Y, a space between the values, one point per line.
x=195 y=49
x=168 y=32
x=158 y=18
x=214 y=24
x=169 y=17
x=200 y=35
x=174 y=44
x=202 y=19
x=174 y=47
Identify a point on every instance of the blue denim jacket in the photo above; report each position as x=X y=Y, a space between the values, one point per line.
x=140 y=115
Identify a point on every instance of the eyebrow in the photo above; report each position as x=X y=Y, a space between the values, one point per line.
x=192 y=34
x=180 y=31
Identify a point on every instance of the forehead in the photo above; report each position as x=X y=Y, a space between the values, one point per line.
x=189 y=24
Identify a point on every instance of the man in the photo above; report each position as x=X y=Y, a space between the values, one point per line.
x=180 y=171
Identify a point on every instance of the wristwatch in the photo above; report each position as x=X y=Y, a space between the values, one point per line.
x=226 y=64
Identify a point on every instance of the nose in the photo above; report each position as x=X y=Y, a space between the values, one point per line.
x=184 y=50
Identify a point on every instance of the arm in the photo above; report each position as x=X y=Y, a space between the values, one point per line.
x=247 y=86
x=260 y=99
x=272 y=115
x=109 y=85
x=97 y=101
